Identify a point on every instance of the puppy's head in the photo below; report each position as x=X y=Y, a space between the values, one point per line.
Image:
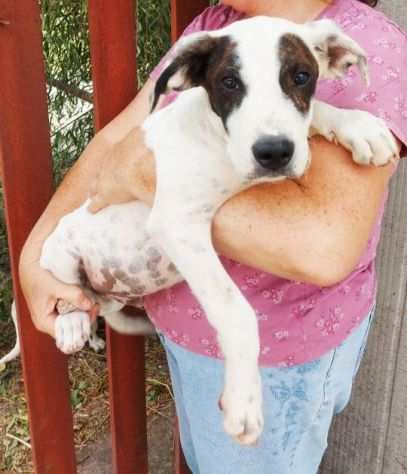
x=260 y=75
x=207 y=60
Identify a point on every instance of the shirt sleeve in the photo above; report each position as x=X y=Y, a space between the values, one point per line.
x=386 y=96
x=212 y=18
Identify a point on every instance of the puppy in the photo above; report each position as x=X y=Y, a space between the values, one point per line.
x=244 y=118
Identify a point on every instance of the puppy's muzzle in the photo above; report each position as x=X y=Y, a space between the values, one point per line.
x=273 y=152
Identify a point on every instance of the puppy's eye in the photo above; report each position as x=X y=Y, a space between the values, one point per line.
x=301 y=78
x=231 y=83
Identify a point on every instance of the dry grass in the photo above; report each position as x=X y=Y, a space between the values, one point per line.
x=89 y=400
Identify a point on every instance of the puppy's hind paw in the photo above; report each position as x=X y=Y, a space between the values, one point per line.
x=72 y=330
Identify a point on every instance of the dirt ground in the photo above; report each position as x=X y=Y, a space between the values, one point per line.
x=90 y=406
x=96 y=458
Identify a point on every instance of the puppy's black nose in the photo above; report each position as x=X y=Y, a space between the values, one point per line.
x=273 y=152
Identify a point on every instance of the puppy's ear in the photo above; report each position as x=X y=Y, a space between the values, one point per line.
x=336 y=52
x=187 y=66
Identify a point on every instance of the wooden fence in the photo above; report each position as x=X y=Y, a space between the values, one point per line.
x=27 y=180
x=369 y=438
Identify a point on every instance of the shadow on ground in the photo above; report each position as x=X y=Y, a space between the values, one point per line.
x=97 y=459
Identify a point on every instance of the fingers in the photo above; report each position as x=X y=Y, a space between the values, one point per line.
x=42 y=292
x=72 y=298
x=74 y=295
x=44 y=321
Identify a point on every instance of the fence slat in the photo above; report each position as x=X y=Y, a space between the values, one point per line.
x=112 y=28
x=182 y=13
x=27 y=179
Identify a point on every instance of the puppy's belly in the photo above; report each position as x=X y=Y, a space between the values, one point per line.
x=112 y=251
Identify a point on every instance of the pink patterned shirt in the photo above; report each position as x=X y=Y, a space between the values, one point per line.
x=299 y=322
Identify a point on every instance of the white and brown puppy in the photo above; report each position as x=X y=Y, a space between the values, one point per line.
x=244 y=119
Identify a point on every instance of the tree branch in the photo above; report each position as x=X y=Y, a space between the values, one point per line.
x=70 y=89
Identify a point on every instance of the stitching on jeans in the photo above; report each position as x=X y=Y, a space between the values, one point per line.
x=326 y=384
x=363 y=346
x=317 y=415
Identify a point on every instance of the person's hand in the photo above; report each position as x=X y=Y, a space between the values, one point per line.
x=126 y=175
x=42 y=292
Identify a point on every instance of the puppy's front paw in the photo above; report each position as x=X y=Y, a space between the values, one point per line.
x=242 y=409
x=72 y=330
x=366 y=136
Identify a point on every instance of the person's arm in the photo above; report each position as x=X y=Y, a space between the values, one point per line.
x=313 y=230
x=40 y=288
x=128 y=172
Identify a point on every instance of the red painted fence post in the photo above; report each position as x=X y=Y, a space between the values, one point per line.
x=182 y=13
x=113 y=52
x=27 y=180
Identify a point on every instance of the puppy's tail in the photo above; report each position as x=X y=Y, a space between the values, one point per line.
x=15 y=352
x=120 y=322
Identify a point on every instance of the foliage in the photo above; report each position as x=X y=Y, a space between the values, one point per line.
x=68 y=74
x=67 y=64
x=5 y=278
x=153 y=26
x=68 y=68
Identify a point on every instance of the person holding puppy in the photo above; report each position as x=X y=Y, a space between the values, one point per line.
x=302 y=253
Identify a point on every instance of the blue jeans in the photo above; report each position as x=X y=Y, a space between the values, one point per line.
x=299 y=404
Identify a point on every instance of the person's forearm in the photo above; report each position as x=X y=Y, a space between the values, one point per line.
x=313 y=231
x=279 y=229
x=239 y=226
x=41 y=290
x=71 y=194
x=76 y=185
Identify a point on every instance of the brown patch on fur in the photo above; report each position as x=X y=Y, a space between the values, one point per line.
x=296 y=57
x=336 y=53
x=205 y=63
x=224 y=63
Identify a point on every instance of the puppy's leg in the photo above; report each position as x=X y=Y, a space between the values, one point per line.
x=189 y=246
x=72 y=330
x=72 y=326
x=15 y=352
x=364 y=135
